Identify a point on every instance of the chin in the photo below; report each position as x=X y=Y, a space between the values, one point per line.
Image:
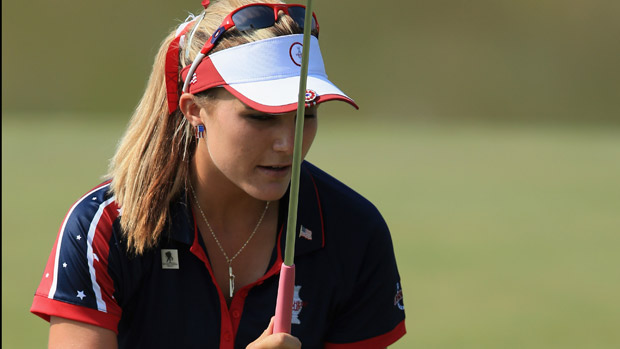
x=269 y=193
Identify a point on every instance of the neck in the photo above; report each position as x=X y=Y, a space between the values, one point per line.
x=222 y=201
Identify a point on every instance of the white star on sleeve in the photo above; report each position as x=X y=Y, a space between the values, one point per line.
x=79 y=237
x=64 y=265
x=47 y=275
x=81 y=295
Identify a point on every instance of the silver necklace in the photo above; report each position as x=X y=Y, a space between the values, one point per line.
x=231 y=276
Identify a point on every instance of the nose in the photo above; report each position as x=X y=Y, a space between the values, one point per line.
x=285 y=134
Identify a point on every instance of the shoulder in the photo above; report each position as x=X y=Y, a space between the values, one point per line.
x=357 y=240
x=337 y=198
x=95 y=207
x=80 y=275
x=93 y=214
x=349 y=221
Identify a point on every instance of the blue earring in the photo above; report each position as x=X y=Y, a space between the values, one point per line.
x=200 y=131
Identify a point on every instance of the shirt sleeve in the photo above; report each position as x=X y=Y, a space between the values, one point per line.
x=374 y=314
x=76 y=282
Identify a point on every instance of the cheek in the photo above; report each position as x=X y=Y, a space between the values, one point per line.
x=233 y=147
x=310 y=129
x=222 y=144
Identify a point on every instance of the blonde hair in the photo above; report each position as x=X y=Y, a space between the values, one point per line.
x=151 y=165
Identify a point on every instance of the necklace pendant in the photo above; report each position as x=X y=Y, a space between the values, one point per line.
x=231 y=276
x=231 y=280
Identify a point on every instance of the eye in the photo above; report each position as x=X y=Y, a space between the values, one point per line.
x=261 y=117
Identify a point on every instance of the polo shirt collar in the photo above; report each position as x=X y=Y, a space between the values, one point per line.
x=182 y=220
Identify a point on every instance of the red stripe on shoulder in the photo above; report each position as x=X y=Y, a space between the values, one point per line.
x=46 y=308
x=378 y=342
x=48 y=274
x=101 y=248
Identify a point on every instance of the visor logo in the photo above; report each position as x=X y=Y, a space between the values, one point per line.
x=310 y=101
x=295 y=53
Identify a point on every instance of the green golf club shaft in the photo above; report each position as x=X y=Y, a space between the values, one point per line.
x=289 y=251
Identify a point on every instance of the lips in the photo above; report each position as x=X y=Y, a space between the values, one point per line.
x=275 y=170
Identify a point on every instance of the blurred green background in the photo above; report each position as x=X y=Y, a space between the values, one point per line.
x=489 y=59
x=488 y=136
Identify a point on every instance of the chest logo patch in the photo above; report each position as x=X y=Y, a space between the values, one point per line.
x=305 y=233
x=169 y=259
x=298 y=304
x=398 y=298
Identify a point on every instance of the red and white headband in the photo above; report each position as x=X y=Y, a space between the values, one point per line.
x=172 y=58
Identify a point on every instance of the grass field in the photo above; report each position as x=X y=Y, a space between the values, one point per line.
x=506 y=236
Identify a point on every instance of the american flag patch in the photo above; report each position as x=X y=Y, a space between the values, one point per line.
x=194 y=79
x=305 y=233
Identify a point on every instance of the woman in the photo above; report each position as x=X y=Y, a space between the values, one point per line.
x=182 y=246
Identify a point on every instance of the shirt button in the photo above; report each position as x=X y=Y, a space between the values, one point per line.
x=236 y=314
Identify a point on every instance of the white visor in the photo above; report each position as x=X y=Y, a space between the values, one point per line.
x=265 y=74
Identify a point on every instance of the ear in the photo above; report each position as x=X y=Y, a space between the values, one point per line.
x=191 y=110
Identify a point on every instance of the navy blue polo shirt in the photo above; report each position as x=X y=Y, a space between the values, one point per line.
x=347 y=286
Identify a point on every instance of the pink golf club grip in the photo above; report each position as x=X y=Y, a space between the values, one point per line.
x=284 y=303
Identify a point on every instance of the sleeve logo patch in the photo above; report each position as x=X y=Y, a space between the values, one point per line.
x=298 y=304
x=398 y=298
x=169 y=259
